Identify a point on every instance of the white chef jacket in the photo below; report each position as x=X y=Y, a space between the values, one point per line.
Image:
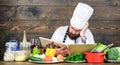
x=59 y=35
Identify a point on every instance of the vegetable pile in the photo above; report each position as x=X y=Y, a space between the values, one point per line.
x=76 y=57
x=46 y=54
x=113 y=53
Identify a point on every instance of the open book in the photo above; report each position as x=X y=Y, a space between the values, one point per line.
x=73 y=47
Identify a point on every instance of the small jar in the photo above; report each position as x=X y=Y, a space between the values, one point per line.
x=9 y=55
x=20 y=55
x=12 y=46
x=26 y=48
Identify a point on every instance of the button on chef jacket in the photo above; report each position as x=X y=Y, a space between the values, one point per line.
x=60 y=32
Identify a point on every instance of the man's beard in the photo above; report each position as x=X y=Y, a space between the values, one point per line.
x=72 y=36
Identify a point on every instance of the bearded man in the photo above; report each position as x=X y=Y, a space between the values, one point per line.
x=77 y=31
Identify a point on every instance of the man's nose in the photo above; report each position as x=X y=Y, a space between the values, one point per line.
x=73 y=32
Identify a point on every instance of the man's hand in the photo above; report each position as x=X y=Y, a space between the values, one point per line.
x=63 y=51
x=82 y=32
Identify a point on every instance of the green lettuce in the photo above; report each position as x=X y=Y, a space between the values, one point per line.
x=99 y=47
x=36 y=51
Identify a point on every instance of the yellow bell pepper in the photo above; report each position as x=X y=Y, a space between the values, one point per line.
x=50 y=52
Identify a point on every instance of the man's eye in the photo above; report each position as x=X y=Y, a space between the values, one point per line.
x=72 y=27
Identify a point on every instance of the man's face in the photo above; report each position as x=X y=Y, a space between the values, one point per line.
x=73 y=32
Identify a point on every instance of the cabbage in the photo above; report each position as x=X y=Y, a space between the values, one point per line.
x=113 y=53
x=99 y=47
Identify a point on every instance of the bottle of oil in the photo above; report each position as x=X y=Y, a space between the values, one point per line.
x=25 y=48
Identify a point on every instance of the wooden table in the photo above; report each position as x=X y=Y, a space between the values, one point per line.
x=29 y=63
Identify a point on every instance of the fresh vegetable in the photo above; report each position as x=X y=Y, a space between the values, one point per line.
x=60 y=57
x=113 y=53
x=50 y=52
x=48 y=59
x=105 y=52
x=40 y=56
x=36 y=59
x=36 y=51
x=76 y=57
x=99 y=47
x=54 y=59
x=48 y=45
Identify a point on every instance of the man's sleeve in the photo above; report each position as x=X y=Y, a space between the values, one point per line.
x=90 y=38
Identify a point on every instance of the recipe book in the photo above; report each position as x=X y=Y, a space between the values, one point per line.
x=73 y=47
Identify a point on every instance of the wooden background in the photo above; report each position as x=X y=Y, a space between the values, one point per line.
x=42 y=17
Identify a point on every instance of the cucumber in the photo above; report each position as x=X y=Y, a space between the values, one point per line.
x=36 y=59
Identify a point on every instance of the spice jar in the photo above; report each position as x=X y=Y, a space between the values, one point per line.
x=26 y=48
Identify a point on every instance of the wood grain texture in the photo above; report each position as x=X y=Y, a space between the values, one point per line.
x=34 y=12
x=97 y=2
x=61 y=2
x=40 y=12
x=43 y=17
x=102 y=30
x=34 y=2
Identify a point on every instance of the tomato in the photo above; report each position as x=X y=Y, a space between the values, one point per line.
x=47 y=59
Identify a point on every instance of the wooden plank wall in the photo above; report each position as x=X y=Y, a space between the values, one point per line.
x=42 y=17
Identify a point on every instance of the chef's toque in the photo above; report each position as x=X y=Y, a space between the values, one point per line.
x=81 y=15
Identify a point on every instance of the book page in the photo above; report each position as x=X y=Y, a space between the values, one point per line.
x=80 y=47
x=45 y=41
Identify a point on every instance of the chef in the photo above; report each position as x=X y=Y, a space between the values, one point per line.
x=77 y=32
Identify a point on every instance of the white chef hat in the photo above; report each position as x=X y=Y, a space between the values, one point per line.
x=81 y=15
